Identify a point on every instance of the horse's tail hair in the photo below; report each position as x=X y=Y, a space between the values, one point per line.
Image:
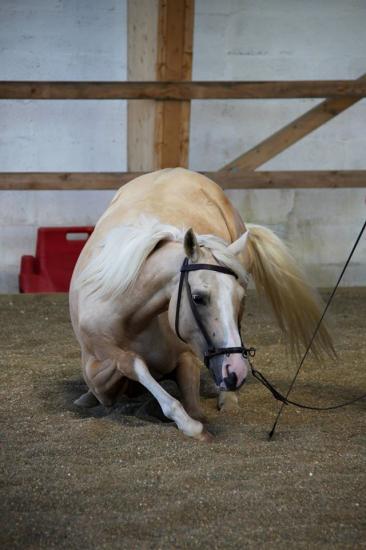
x=295 y=304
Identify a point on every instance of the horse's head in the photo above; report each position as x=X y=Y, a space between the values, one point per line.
x=206 y=310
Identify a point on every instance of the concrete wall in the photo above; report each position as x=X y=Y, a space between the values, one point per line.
x=287 y=39
x=246 y=39
x=58 y=40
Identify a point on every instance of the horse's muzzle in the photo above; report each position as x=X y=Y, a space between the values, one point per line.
x=229 y=370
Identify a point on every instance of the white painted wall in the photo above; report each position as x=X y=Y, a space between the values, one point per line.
x=288 y=40
x=234 y=39
x=58 y=40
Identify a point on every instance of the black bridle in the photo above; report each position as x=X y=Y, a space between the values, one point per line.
x=212 y=351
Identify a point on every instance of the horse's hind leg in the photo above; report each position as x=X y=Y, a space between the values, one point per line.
x=105 y=381
x=107 y=377
x=86 y=400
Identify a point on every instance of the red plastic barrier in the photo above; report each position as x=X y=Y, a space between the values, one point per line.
x=58 y=249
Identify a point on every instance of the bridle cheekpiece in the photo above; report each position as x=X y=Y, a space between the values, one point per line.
x=231 y=379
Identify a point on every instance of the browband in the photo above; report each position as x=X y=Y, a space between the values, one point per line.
x=209 y=267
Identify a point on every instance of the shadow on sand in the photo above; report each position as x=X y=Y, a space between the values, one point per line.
x=142 y=406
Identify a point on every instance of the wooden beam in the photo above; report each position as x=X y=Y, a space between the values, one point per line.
x=175 y=40
x=64 y=180
x=143 y=16
x=309 y=179
x=291 y=133
x=160 y=34
x=244 y=180
x=182 y=90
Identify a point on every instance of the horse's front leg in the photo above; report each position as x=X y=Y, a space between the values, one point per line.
x=113 y=364
x=188 y=372
x=171 y=407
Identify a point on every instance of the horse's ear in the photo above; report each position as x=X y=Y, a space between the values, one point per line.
x=191 y=246
x=240 y=244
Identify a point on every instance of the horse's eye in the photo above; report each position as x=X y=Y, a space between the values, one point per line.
x=199 y=299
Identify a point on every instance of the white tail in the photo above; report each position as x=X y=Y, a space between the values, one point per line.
x=295 y=304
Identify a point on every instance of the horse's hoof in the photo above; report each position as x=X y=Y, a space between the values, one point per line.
x=205 y=436
x=230 y=409
x=228 y=403
x=87 y=400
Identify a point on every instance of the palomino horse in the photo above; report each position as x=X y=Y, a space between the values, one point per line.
x=138 y=317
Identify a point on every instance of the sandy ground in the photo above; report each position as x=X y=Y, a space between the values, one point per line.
x=97 y=480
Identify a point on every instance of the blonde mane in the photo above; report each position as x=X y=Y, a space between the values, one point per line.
x=121 y=255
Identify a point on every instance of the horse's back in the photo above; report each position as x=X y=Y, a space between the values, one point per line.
x=178 y=197
x=174 y=196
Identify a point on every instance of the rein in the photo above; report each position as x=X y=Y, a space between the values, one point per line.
x=285 y=400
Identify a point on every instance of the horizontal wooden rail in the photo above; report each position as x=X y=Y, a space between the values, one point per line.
x=239 y=180
x=182 y=90
x=291 y=133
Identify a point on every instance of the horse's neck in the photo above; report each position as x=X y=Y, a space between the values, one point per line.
x=156 y=281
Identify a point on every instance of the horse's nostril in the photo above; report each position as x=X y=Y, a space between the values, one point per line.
x=231 y=381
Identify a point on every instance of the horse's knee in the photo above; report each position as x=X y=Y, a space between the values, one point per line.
x=187 y=356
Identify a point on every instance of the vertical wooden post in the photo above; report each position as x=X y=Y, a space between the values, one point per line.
x=160 y=37
x=142 y=58
x=175 y=40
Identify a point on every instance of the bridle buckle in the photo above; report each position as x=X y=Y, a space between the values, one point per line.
x=251 y=352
